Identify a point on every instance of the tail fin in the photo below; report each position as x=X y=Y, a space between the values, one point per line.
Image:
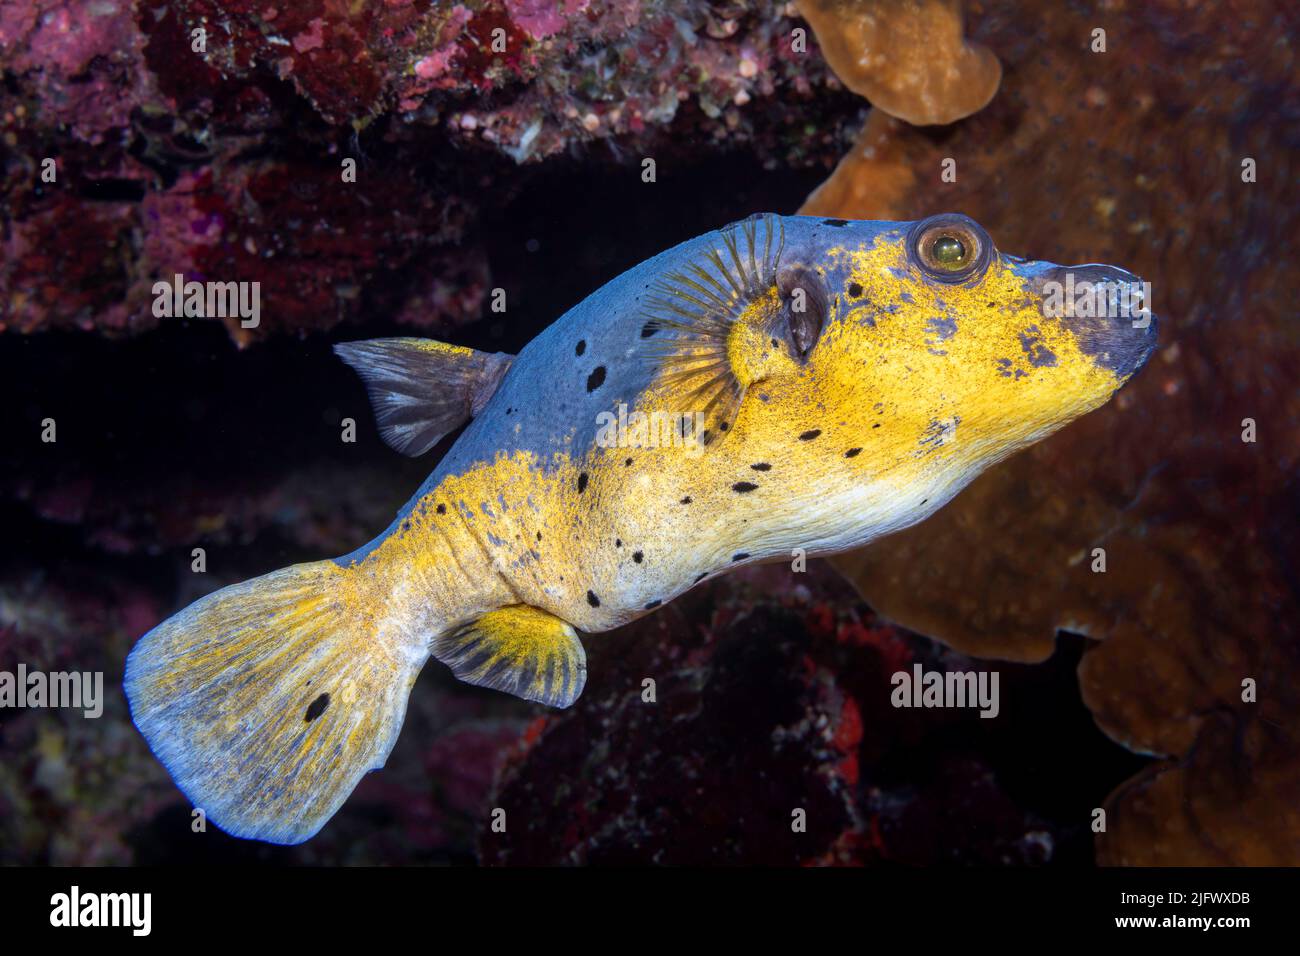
x=267 y=701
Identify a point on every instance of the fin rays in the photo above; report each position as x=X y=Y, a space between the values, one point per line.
x=267 y=701
x=699 y=306
x=421 y=389
x=521 y=650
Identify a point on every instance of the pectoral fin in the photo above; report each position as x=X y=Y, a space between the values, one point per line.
x=521 y=650
x=699 y=308
x=422 y=389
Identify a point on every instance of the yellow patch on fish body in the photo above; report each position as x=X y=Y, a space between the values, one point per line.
x=748 y=346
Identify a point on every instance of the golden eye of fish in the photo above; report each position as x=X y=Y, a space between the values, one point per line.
x=950 y=247
x=947 y=249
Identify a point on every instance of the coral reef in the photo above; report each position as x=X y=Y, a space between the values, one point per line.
x=908 y=57
x=1074 y=161
x=213 y=140
x=706 y=729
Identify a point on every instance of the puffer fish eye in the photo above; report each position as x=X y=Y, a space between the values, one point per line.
x=950 y=248
x=949 y=252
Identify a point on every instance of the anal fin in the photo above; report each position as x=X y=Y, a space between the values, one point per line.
x=521 y=650
x=422 y=389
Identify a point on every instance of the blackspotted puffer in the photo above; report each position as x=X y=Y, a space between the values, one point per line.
x=781 y=386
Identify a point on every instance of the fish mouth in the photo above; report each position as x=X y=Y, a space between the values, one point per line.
x=1151 y=344
x=1109 y=311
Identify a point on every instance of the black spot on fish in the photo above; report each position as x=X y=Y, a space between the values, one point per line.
x=653 y=604
x=740 y=556
x=637 y=556
x=442 y=509
x=539 y=536
x=581 y=347
x=648 y=330
x=855 y=290
x=627 y=463
x=686 y=500
x=810 y=434
x=592 y=599
x=582 y=482
x=761 y=466
x=835 y=222
x=317 y=707
x=596 y=379
x=743 y=486
x=924 y=500
x=853 y=453
x=723 y=426
x=406 y=525
x=618 y=542
x=776 y=344
x=876 y=425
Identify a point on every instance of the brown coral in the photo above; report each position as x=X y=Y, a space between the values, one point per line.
x=910 y=58
x=1135 y=157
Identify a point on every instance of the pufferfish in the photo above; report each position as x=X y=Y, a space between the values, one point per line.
x=782 y=385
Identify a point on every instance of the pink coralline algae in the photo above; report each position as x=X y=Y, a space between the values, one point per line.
x=208 y=138
x=629 y=64
x=77 y=61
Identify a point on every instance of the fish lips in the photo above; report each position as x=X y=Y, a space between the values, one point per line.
x=1107 y=308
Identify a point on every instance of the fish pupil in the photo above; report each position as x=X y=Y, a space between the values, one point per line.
x=948 y=251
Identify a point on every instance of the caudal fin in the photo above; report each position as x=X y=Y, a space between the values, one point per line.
x=267 y=701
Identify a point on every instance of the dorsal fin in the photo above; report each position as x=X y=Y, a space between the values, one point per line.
x=699 y=305
x=422 y=389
